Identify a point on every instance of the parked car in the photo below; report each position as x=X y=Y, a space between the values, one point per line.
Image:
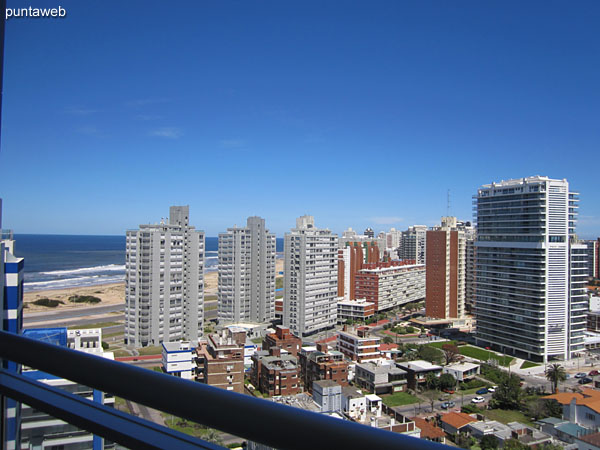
x=451 y=404
x=593 y=373
x=482 y=391
x=585 y=380
x=492 y=389
x=478 y=400
x=580 y=375
x=445 y=405
x=449 y=391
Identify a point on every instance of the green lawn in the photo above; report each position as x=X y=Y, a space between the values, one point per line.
x=440 y=344
x=399 y=399
x=528 y=364
x=95 y=325
x=278 y=282
x=152 y=350
x=120 y=353
x=484 y=355
x=257 y=340
x=506 y=416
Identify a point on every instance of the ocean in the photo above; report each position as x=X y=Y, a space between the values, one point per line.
x=63 y=261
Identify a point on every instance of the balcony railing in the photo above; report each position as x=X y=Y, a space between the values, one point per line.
x=247 y=417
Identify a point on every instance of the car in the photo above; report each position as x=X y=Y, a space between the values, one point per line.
x=585 y=380
x=492 y=389
x=445 y=405
x=482 y=391
x=448 y=391
x=580 y=375
x=593 y=373
x=478 y=400
x=451 y=404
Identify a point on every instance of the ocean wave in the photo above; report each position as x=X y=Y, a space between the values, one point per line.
x=72 y=282
x=107 y=268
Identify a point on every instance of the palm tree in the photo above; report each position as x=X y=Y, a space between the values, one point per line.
x=555 y=374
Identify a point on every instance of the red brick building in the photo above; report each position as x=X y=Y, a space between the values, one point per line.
x=350 y=260
x=274 y=373
x=283 y=339
x=322 y=364
x=445 y=279
x=220 y=360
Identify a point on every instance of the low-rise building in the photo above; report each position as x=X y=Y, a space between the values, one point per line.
x=462 y=371
x=178 y=359
x=455 y=422
x=275 y=373
x=283 y=339
x=328 y=395
x=354 y=310
x=380 y=378
x=358 y=345
x=562 y=429
x=220 y=360
x=430 y=431
x=580 y=408
x=588 y=442
x=513 y=430
x=354 y=404
x=417 y=372
x=320 y=363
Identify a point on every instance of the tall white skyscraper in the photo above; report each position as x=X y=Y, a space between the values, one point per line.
x=164 y=281
x=247 y=273
x=310 y=278
x=530 y=291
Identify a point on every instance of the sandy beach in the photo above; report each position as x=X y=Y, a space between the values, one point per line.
x=108 y=293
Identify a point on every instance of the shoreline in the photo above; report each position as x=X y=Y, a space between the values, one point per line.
x=109 y=293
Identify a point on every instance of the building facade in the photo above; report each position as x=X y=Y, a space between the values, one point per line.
x=530 y=293
x=414 y=243
x=275 y=373
x=220 y=360
x=310 y=278
x=446 y=271
x=358 y=344
x=390 y=284
x=164 y=282
x=284 y=339
x=247 y=273
x=320 y=363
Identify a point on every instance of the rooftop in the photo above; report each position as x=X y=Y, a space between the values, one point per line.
x=462 y=366
x=593 y=439
x=420 y=365
x=457 y=419
x=429 y=430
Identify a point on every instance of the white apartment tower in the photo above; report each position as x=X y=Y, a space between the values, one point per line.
x=310 y=278
x=247 y=273
x=530 y=292
x=164 y=282
x=414 y=243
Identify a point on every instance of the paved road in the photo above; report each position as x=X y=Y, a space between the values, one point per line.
x=46 y=316
x=425 y=407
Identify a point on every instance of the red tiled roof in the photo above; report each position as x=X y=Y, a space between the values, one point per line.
x=457 y=419
x=588 y=397
x=428 y=430
x=592 y=439
x=384 y=347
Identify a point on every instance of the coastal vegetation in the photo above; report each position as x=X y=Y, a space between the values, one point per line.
x=84 y=299
x=48 y=302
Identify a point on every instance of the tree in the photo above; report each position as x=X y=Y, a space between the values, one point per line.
x=430 y=354
x=555 y=374
x=432 y=381
x=451 y=352
x=388 y=340
x=447 y=381
x=514 y=444
x=432 y=397
x=509 y=394
x=488 y=442
x=463 y=440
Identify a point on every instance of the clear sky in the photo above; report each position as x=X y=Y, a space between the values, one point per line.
x=359 y=113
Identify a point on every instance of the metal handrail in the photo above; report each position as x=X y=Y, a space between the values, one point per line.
x=258 y=420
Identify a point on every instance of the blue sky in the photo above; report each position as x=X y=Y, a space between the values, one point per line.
x=359 y=113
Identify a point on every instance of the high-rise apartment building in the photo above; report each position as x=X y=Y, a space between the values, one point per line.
x=247 y=273
x=446 y=271
x=414 y=243
x=470 y=268
x=592 y=253
x=530 y=292
x=164 y=281
x=11 y=306
x=351 y=259
x=310 y=278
